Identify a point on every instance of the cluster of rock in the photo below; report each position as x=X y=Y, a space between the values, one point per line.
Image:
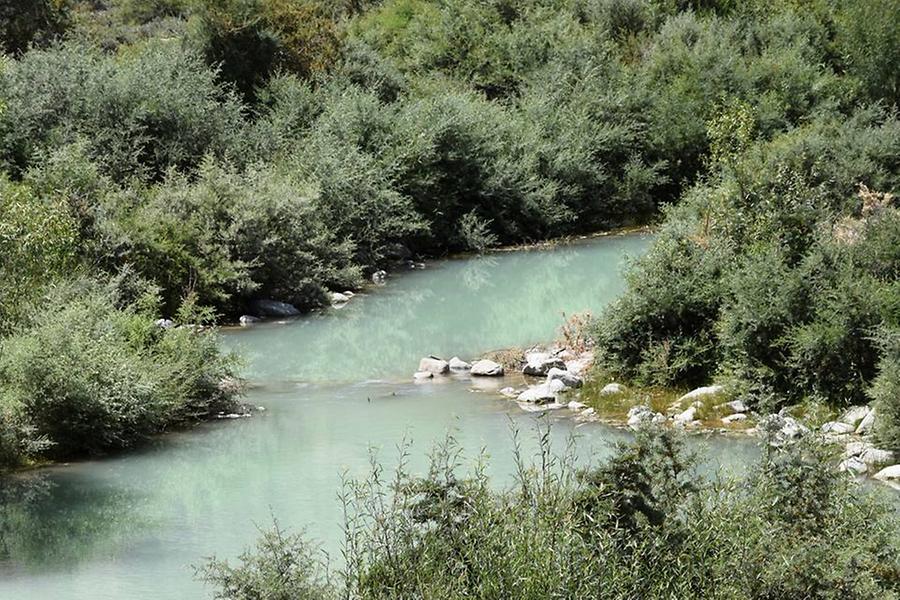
x=434 y=365
x=861 y=457
x=559 y=369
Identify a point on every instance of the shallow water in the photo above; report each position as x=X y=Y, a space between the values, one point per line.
x=335 y=385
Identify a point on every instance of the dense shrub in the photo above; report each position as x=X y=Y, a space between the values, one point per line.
x=27 y=22
x=788 y=260
x=643 y=525
x=85 y=374
x=132 y=129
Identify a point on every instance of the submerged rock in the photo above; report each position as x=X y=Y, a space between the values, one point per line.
x=274 y=308
x=486 y=368
x=509 y=392
x=420 y=375
x=539 y=364
x=433 y=364
x=379 y=277
x=246 y=320
x=458 y=364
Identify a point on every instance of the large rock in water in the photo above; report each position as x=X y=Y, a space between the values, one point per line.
x=569 y=379
x=486 y=368
x=433 y=364
x=273 y=308
x=538 y=394
x=540 y=363
x=458 y=364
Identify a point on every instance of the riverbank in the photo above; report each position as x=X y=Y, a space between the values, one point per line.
x=559 y=377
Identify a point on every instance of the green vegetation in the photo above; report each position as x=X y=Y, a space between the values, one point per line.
x=643 y=525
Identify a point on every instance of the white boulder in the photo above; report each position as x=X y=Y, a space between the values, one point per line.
x=538 y=394
x=867 y=424
x=486 y=368
x=611 y=389
x=569 y=379
x=854 y=415
x=891 y=473
x=458 y=364
x=539 y=364
x=702 y=392
x=433 y=364
x=837 y=428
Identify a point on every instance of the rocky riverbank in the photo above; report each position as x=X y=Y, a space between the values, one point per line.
x=555 y=378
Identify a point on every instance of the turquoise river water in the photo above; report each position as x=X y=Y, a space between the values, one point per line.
x=335 y=385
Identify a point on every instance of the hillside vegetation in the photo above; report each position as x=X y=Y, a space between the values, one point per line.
x=182 y=158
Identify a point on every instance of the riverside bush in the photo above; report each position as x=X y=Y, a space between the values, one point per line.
x=643 y=525
x=92 y=374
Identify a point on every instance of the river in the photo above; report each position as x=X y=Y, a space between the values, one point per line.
x=336 y=385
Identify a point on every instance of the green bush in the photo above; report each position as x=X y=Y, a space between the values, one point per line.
x=131 y=129
x=87 y=375
x=643 y=525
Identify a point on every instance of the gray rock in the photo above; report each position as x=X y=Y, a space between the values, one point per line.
x=611 y=389
x=379 y=277
x=556 y=385
x=246 y=320
x=458 y=364
x=735 y=406
x=781 y=429
x=734 y=418
x=686 y=417
x=854 y=415
x=164 y=323
x=837 y=428
x=273 y=308
x=433 y=364
x=877 y=457
x=576 y=405
x=569 y=379
x=702 y=392
x=588 y=414
x=856 y=448
x=339 y=298
x=867 y=425
x=538 y=394
x=348 y=293
x=853 y=465
x=540 y=363
x=486 y=368
x=509 y=392
x=891 y=473
x=641 y=416
x=419 y=375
